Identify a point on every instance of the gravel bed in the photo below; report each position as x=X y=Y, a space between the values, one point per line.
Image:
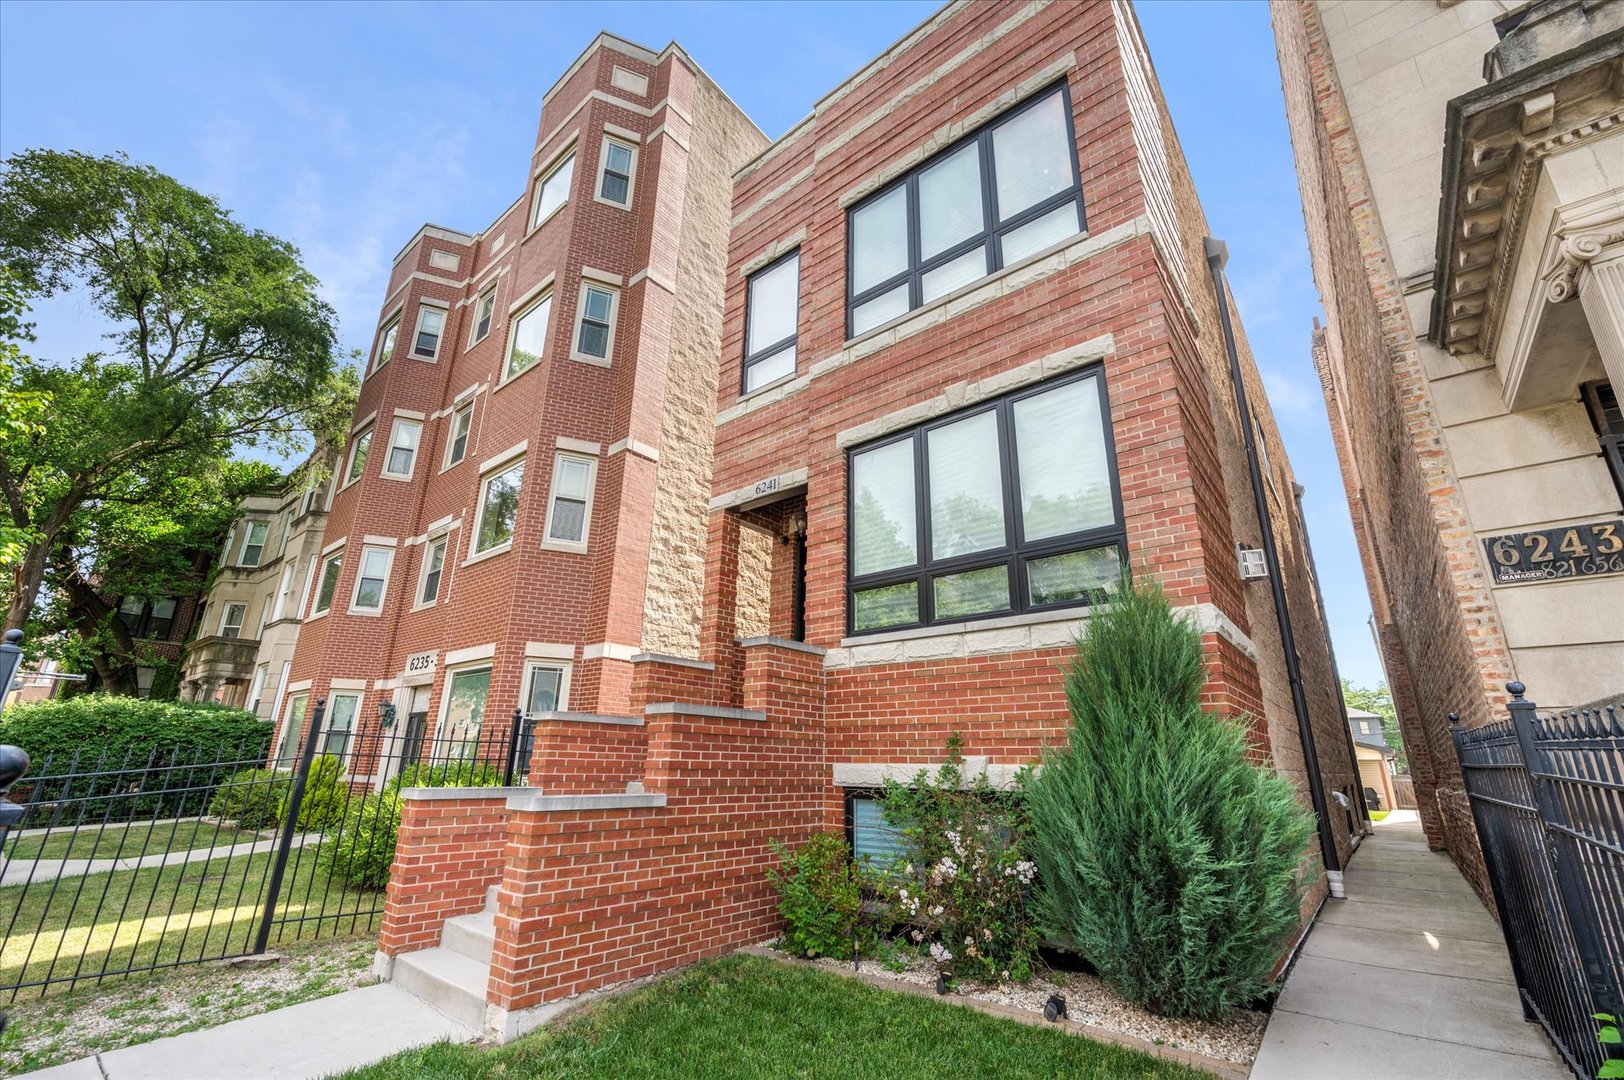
x=65 y=1027
x=1090 y=1001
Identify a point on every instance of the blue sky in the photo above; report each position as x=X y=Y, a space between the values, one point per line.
x=343 y=127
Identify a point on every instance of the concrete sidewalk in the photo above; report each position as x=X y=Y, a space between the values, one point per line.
x=24 y=871
x=300 y=1042
x=1408 y=977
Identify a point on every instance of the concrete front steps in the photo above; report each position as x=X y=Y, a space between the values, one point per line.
x=452 y=977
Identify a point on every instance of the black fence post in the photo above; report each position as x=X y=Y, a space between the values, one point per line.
x=290 y=822
x=515 y=732
x=1569 y=878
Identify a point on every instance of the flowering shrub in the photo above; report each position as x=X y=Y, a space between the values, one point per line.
x=965 y=876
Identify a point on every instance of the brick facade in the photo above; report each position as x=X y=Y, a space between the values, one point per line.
x=638 y=417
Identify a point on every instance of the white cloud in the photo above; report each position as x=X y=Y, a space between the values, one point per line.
x=1288 y=395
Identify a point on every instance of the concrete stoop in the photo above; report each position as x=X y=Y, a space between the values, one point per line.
x=452 y=978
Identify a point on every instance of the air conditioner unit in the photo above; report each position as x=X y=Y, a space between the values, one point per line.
x=1253 y=567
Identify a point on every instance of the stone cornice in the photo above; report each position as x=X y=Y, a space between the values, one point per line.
x=1496 y=139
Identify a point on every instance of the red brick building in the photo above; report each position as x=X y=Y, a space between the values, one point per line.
x=519 y=508
x=972 y=360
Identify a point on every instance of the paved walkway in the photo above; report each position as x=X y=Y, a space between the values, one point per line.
x=1408 y=977
x=300 y=1042
x=23 y=871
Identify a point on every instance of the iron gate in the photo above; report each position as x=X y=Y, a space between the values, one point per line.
x=137 y=862
x=1547 y=796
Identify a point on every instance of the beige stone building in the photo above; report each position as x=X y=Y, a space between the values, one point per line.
x=249 y=623
x=1462 y=171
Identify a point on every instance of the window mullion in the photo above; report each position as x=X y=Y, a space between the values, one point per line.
x=927 y=594
x=989 y=196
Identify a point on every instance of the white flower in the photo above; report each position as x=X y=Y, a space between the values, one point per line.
x=939 y=953
x=937 y=910
x=918 y=936
x=969 y=939
x=986 y=933
x=947 y=868
x=1026 y=871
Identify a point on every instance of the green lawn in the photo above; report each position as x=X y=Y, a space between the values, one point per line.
x=744 y=1016
x=186 y=912
x=124 y=841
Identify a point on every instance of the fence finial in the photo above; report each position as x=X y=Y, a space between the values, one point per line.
x=1454 y=719
x=1515 y=689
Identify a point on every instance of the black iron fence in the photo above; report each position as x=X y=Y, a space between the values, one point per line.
x=1547 y=795
x=124 y=863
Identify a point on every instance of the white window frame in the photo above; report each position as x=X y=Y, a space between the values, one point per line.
x=286 y=757
x=284 y=589
x=355 y=717
x=532 y=665
x=508 y=374
x=321 y=572
x=443 y=542
x=441 y=737
x=479 y=512
x=580 y=318
x=247 y=542
x=401 y=423
x=459 y=411
x=256 y=688
x=379 y=356
x=489 y=294
x=603 y=166
x=550 y=170
x=548 y=542
x=225 y=618
x=423 y=310
x=351 y=473
x=360 y=571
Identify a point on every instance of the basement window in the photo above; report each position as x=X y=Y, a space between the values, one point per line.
x=1004 y=193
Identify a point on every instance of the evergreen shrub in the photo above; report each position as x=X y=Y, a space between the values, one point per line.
x=1171 y=861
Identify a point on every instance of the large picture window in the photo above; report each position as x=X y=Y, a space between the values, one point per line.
x=1006 y=192
x=1006 y=507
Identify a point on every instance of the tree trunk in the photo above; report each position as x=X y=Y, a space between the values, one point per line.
x=26 y=580
x=96 y=621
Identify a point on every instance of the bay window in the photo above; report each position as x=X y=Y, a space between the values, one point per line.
x=372 y=579
x=528 y=336
x=1006 y=507
x=430 y=324
x=554 y=191
x=1005 y=192
x=498 y=508
x=403 y=439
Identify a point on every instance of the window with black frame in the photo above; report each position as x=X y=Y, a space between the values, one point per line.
x=1008 y=191
x=772 y=310
x=1006 y=507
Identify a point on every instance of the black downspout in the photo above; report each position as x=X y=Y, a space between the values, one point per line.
x=1330 y=649
x=1217 y=255
x=798 y=627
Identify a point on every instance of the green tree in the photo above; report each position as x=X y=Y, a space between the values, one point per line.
x=153 y=537
x=1166 y=856
x=21 y=410
x=1379 y=700
x=218 y=340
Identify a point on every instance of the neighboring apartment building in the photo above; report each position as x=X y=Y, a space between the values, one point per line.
x=1474 y=347
x=519 y=508
x=243 y=649
x=972 y=363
